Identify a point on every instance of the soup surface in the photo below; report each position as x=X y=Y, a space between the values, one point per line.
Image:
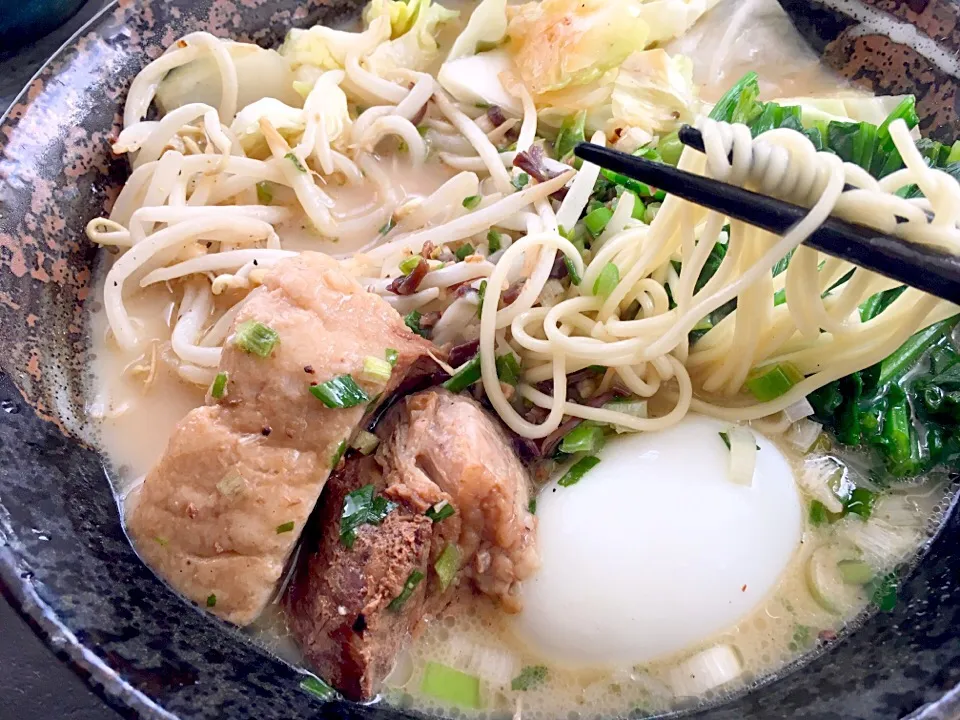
x=700 y=524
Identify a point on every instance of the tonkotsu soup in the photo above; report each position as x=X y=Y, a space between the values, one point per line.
x=456 y=421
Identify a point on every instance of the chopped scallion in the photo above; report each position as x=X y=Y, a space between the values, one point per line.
x=578 y=470
x=219 y=387
x=464 y=251
x=508 y=369
x=451 y=686
x=441 y=511
x=726 y=439
x=211 y=600
x=365 y=442
x=530 y=676
x=494 y=241
x=376 y=370
x=338 y=454
x=861 y=502
x=340 y=392
x=408 y=265
x=770 y=382
x=285 y=527
x=256 y=338
x=466 y=376
x=387 y=226
x=520 y=181
x=855 y=572
x=316 y=686
x=392 y=357
x=607 y=280
x=532 y=506
x=264 y=192
x=412 y=321
x=585 y=438
x=572 y=270
x=471 y=201
x=361 y=507
x=296 y=162
x=413 y=579
x=597 y=220
x=447 y=565
x=481 y=294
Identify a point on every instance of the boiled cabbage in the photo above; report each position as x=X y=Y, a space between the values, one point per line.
x=668 y=19
x=417 y=48
x=260 y=73
x=475 y=80
x=654 y=92
x=318 y=46
x=561 y=44
x=486 y=28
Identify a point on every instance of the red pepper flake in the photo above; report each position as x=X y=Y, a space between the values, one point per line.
x=743 y=589
x=266 y=431
x=308 y=369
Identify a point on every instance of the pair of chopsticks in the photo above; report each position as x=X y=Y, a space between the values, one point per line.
x=921 y=267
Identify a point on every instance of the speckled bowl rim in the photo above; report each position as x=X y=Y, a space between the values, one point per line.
x=99 y=675
x=16 y=589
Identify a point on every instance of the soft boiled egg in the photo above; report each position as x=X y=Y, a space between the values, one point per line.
x=656 y=549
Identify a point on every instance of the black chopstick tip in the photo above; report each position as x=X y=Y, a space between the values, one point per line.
x=691 y=137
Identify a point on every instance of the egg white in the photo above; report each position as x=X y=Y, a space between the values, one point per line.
x=655 y=549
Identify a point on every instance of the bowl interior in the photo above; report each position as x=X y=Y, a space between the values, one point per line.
x=64 y=557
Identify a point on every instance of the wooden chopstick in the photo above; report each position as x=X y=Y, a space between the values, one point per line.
x=918 y=266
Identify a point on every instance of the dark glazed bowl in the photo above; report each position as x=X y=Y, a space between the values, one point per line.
x=64 y=560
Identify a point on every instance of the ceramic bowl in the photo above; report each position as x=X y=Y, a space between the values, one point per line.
x=64 y=559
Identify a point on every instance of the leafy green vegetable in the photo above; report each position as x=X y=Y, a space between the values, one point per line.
x=508 y=369
x=770 y=382
x=530 y=676
x=607 y=280
x=361 y=507
x=883 y=592
x=596 y=220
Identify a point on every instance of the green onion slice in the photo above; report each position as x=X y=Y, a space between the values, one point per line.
x=607 y=280
x=447 y=565
x=296 y=162
x=219 y=387
x=508 y=369
x=256 y=338
x=285 y=527
x=771 y=381
x=572 y=271
x=316 y=686
x=376 y=370
x=451 y=686
x=494 y=241
x=520 y=181
x=471 y=202
x=264 y=192
x=392 y=356
x=464 y=251
x=361 y=507
x=412 y=321
x=340 y=392
x=211 y=600
x=466 y=376
x=338 y=454
x=596 y=220
x=441 y=511
x=578 y=470
x=530 y=676
x=409 y=264
x=365 y=442
x=413 y=579
x=585 y=438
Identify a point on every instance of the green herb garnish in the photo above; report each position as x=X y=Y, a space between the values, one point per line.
x=256 y=338
x=413 y=579
x=530 y=676
x=338 y=454
x=285 y=527
x=441 y=511
x=340 y=392
x=219 y=387
x=464 y=251
x=466 y=376
x=296 y=162
x=412 y=321
x=211 y=600
x=361 y=507
x=578 y=470
x=471 y=201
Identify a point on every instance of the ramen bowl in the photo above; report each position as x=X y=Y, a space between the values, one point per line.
x=65 y=561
